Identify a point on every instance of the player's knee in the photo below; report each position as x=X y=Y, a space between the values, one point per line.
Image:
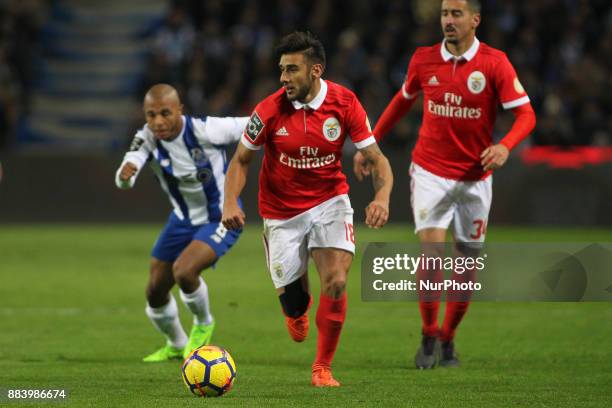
x=335 y=286
x=181 y=276
x=179 y=272
x=185 y=276
x=470 y=249
x=433 y=249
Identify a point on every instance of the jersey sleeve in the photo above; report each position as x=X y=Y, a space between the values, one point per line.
x=141 y=147
x=221 y=131
x=412 y=84
x=254 y=133
x=511 y=92
x=359 y=126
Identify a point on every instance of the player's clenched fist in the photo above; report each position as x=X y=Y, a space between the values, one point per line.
x=233 y=217
x=127 y=171
x=377 y=214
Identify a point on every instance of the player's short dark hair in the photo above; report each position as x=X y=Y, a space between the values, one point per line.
x=474 y=5
x=304 y=42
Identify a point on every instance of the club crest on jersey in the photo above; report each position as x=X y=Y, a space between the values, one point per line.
x=278 y=270
x=204 y=176
x=198 y=156
x=331 y=129
x=254 y=127
x=423 y=213
x=476 y=82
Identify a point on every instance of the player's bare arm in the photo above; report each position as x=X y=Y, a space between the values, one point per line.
x=233 y=217
x=128 y=170
x=377 y=212
x=493 y=157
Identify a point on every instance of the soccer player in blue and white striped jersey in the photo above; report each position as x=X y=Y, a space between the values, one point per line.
x=188 y=157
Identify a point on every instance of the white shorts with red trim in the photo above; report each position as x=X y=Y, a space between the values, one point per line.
x=288 y=242
x=437 y=202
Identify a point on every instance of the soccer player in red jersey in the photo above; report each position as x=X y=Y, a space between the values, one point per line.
x=303 y=192
x=462 y=81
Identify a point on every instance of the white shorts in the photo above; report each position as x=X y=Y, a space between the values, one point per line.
x=437 y=201
x=288 y=242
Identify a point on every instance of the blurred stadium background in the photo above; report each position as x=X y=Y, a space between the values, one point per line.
x=73 y=72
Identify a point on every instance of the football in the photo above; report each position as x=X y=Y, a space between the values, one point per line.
x=209 y=371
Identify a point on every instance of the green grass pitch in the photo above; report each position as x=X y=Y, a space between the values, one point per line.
x=72 y=317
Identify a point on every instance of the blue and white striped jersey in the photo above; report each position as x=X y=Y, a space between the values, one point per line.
x=191 y=168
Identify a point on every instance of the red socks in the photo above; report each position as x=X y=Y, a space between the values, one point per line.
x=457 y=303
x=452 y=317
x=429 y=316
x=330 y=318
x=429 y=302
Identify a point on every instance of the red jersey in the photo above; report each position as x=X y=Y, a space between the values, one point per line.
x=461 y=95
x=303 y=148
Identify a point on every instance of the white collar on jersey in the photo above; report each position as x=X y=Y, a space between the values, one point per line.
x=317 y=101
x=468 y=55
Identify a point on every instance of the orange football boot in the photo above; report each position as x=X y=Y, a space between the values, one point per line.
x=298 y=326
x=322 y=377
